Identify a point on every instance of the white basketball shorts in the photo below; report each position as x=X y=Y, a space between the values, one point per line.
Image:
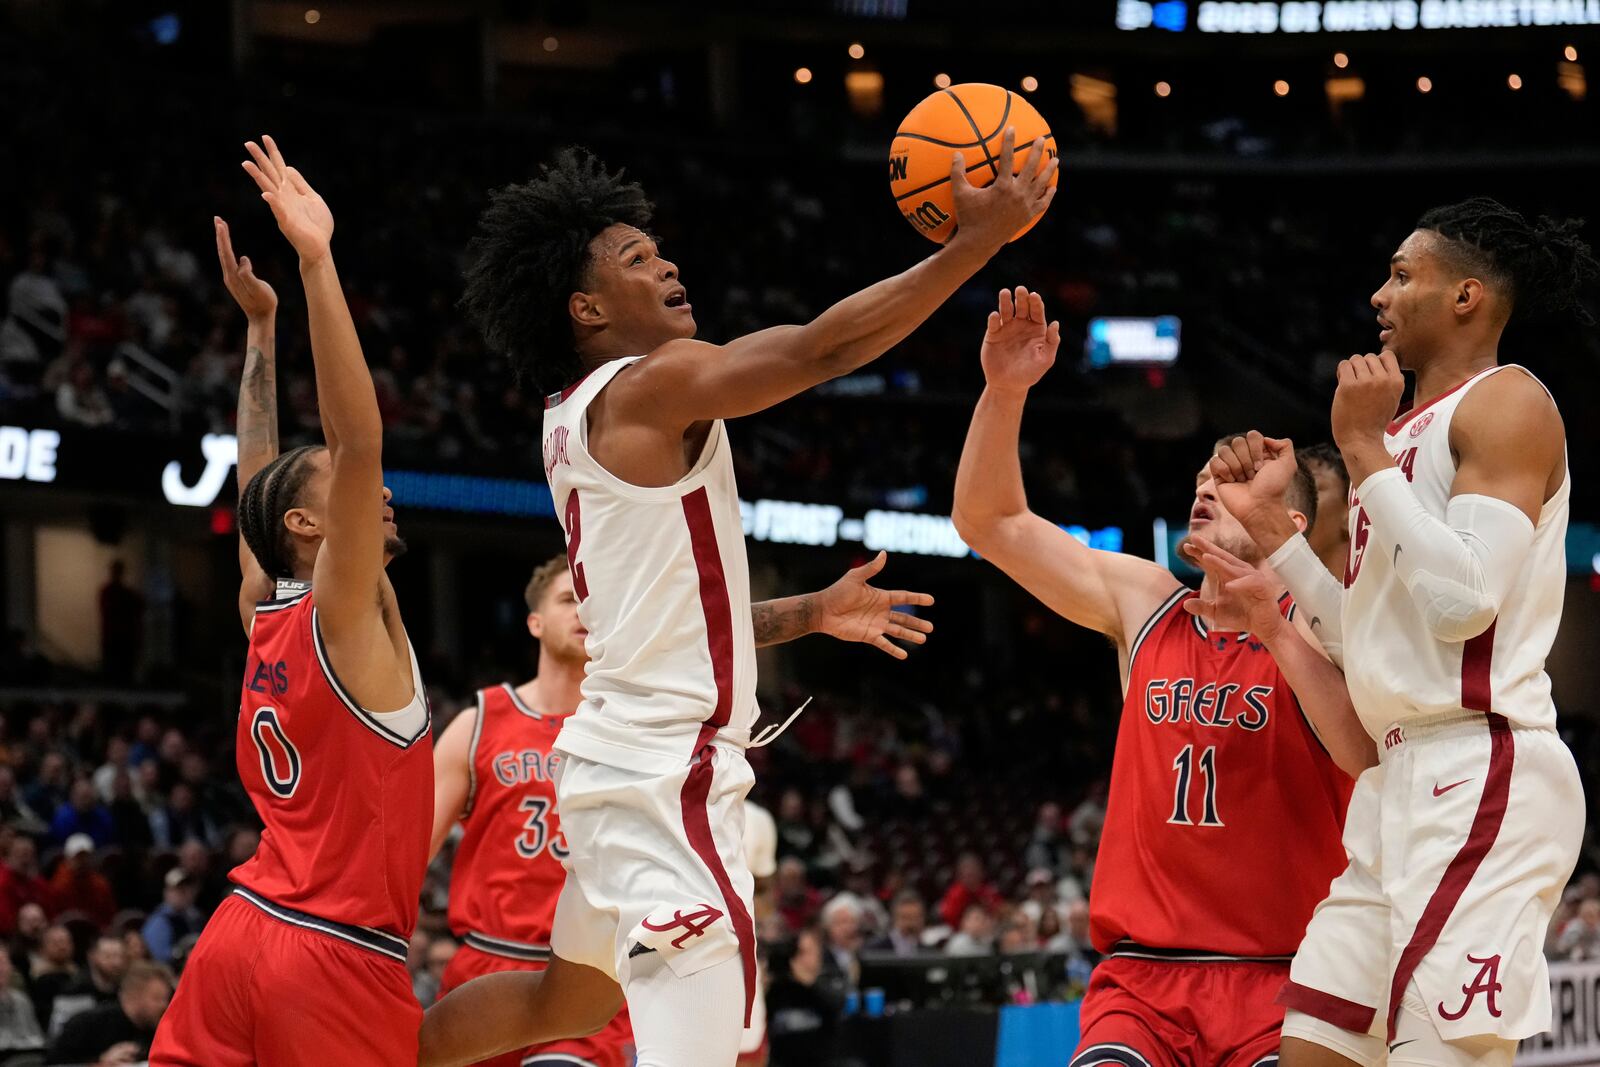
x=1460 y=842
x=656 y=865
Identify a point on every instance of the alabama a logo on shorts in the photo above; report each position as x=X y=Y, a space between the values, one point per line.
x=1486 y=981
x=694 y=922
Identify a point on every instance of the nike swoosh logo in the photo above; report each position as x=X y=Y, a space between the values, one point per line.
x=1396 y=559
x=1412 y=1041
x=1439 y=792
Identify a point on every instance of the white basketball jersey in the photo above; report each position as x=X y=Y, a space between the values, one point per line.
x=663 y=588
x=1395 y=668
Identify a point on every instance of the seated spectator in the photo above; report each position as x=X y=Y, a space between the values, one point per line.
x=19 y=1026
x=1019 y=934
x=970 y=886
x=797 y=901
x=48 y=791
x=907 y=921
x=1041 y=888
x=130 y=823
x=841 y=960
x=802 y=1016
x=176 y=918
x=976 y=934
x=52 y=970
x=31 y=925
x=427 y=981
x=908 y=802
x=14 y=809
x=83 y=814
x=194 y=859
x=1580 y=936
x=20 y=884
x=77 y=886
x=1045 y=846
x=181 y=819
x=80 y=399
x=858 y=889
x=98 y=983
x=142 y=999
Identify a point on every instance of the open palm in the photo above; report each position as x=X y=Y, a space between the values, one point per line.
x=1019 y=344
x=302 y=215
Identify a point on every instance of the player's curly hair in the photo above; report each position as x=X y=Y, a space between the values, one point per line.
x=1547 y=267
x=274 y=490
x=1325 y=454
x=531 y=253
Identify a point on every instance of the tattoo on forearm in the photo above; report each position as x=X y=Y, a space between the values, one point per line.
x=777 y=621
x=257 y=416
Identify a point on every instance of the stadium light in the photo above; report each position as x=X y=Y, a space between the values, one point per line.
x=802 y=75
x=857 y=51
x=941 y=80
x=1030 y=83
x=551 y=44
x=1341 y=60
x=1515 y=81
x=313 y=16
x=1280 y=87
x=1424 y=84
x=1571 y=53
x=1163 y=89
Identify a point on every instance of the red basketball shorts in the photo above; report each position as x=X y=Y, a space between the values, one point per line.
x=273 y=987
x=1170 y=1013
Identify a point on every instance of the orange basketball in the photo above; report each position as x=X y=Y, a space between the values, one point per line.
x=969 y=119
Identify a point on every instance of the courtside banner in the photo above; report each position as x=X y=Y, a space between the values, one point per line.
x=1574 y=1036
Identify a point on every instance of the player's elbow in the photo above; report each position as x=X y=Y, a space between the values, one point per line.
x=978 y=531
x=1453 y=611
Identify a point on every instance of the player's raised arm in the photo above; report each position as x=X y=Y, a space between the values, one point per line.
x=1252 y=472
x=1508 y=439
x=256 y=418
x=1103 y=591
x=687 y=381
x=849 y=609
x=349 y=568
x=1246 y=599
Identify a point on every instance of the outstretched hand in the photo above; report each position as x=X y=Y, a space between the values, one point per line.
x=1019 y=345
x=302 y=215
x=852 y=610
x=1242 y=598
x=994 y=213
x=254 y=296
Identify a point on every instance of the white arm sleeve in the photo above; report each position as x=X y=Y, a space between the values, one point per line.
x=1457 y=571
x=1317 y=592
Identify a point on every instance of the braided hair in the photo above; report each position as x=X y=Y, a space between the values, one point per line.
x=531 y=253
x=1546 y=267
x=267 y=497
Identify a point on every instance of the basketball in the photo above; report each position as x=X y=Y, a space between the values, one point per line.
x=971 y=119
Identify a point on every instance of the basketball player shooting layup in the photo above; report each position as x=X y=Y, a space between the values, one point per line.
x=306 y=961
x=1461 y=839
x=495 y=768
x=658 y=896
x=1222 y=825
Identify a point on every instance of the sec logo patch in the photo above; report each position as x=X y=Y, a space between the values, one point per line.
x=1421 y=424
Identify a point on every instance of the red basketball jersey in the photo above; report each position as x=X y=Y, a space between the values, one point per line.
x=508 y=870
x=346 y=802
x=1223 y=822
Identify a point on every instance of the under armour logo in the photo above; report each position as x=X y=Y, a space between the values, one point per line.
x=694 y=924
x=1487 y=982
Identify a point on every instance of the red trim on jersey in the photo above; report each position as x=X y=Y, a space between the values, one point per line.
x=1345 y=1014
x=1403 y=417
x=555 y=399
x=1480 y=838
x=1476 y=657
x=697 y=826
x=713 y=600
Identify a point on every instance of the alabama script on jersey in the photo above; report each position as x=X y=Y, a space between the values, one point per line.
x=663 y=588
x=346 y=802
x=1396 y=669
x=1223 y=822
x=508 y=867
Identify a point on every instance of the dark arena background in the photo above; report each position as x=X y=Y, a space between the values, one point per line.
x=1234 y=178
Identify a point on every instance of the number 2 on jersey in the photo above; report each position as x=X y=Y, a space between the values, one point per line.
x=580 y=587
x=1184 y=765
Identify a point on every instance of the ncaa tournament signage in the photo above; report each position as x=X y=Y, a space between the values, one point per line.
x=1350 y=16
x=1574 y=1036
